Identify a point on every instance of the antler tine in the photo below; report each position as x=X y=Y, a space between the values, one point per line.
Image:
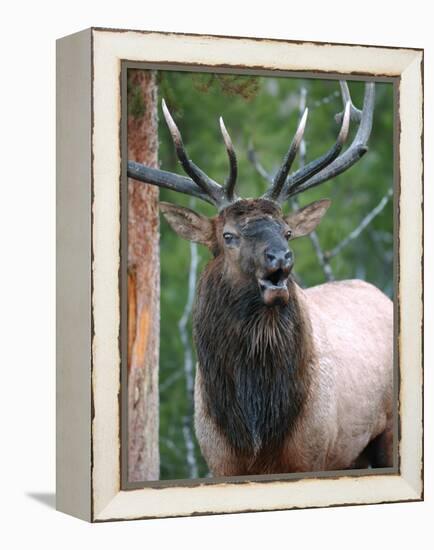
x=356 y=114
x=315 y=166
x=280 y=178
x=206 y=184
x=233 y=166
x=354 y=152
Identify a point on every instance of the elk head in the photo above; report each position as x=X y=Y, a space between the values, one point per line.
x=252 y=235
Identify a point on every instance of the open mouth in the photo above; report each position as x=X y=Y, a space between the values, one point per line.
x=277 y=279
x=274 y=287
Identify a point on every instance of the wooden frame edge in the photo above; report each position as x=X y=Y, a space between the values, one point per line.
x=73 y=275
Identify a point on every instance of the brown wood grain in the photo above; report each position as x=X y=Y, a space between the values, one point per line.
x=143 y=287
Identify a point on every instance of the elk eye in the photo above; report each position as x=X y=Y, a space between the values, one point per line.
x=288 y=234
x=229 y=238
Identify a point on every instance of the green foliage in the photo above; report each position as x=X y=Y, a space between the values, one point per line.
x=265 y=112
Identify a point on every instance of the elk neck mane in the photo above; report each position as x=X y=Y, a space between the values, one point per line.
x=254 y=362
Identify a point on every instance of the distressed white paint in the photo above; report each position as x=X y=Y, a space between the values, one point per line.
x=256 y=496
x=410 y=287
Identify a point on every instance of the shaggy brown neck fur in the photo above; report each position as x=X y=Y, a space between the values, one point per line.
x=253 y=361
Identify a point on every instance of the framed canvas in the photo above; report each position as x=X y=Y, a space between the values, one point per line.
x=206 y=363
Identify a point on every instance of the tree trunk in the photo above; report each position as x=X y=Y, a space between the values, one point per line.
x=143 y=283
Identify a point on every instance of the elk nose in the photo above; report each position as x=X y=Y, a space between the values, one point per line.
x=278 y=258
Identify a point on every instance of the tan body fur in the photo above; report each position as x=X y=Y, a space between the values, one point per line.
x=350 y=397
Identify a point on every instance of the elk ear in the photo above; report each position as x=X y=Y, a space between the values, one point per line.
x=303 y=221
x=188 y=224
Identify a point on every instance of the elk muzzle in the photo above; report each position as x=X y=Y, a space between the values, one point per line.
x=273 y=279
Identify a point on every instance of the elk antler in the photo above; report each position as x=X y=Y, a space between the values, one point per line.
x=282 y=174
x=232 y=178
x=331 y=163
x=283 y=186
x=200 y=185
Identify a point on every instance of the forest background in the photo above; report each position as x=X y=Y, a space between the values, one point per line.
x=354 y=240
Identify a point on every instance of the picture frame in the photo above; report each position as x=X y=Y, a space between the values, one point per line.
x=89 y=231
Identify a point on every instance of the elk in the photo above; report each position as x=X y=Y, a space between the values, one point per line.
x=288 y=379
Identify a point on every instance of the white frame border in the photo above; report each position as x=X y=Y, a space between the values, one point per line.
x=109 y=47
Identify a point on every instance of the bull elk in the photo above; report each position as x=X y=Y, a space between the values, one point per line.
x=288 y=379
